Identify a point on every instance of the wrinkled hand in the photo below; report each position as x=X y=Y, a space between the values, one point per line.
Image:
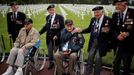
x=78 y=30
x=55 y=37
x=125 y=34
x=122 y=36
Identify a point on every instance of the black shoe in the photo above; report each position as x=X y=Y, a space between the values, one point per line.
x=51 y=65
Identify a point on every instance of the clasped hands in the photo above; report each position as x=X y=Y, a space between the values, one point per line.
x=122 y=36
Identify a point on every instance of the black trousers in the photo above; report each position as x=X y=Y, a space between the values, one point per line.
x=50 y=50
x=124 y=56
x=52 y=47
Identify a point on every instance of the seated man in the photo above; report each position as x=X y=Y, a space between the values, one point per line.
x=27 y=38
x=71 y=43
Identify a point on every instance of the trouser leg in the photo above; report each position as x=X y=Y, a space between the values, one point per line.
x=58 y=56
x=72 y=63
x=98 y=61
x=12 y=56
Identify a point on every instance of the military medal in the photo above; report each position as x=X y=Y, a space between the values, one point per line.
x=106 y=24
x=106 y=28
x=123 y=25
x=118 y=22
x=55 y=25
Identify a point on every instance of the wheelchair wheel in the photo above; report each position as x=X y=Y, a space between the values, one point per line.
x=39 y=59
x=77 y=69
x=81 y=63
x=80 y=67
x=2 y=51
x=28 y=68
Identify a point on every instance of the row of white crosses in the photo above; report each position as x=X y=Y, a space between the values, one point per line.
x=34 y=10
x=4 y=10
x=83 y=10
x=78 y=10
x=63 y=12
x=29 y=10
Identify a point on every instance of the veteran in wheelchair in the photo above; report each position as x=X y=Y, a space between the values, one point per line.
x=27 y=38
x=71 y=44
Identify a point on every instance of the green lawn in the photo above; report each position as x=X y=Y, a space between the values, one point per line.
x=39 y=22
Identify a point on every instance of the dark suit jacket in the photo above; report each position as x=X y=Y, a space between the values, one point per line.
x=12 y=26
x=52 y=32
x=103 y=38
x=126 y=26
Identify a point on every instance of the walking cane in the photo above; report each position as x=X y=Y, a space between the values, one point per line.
x=54 y=47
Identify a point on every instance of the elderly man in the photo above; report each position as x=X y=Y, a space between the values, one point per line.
x=54 y=25
x=15 y=21
x=71 y=43
x=27 y=38
x=99 y=39
x=123 y=33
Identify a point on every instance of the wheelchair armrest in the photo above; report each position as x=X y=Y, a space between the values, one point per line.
x=79 y=53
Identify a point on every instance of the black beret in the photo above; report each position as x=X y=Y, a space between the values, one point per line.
x=118 y=1
x=68 y=22
x=50 y=6
x=97 y=8
x=28 y=20
x=13 y=3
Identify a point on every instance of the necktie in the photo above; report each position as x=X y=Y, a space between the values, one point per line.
x=50 y=18
x=121 y=17
x=96 y=28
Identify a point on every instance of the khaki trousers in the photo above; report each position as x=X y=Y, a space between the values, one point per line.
x=59 y=57
x=16 y=57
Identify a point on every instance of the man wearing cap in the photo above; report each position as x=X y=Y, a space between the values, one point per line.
x=99 y=39
x=15 y=21
x=71 y=43
x=54 y=25
x=27 y=38
x=123 y=33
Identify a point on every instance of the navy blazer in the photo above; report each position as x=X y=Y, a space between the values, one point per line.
x=14 y=28
x=126 y=26
x=52 y=32
x=103 y=38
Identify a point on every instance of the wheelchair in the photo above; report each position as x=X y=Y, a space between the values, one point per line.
x=2 y=49
x=79 y=67
x=35 y=59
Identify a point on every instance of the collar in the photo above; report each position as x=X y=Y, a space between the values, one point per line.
x=124 y=12
x=15 y=12
x=101 y=19
x=53 y=17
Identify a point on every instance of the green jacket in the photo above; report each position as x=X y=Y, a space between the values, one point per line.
x=76 y=41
